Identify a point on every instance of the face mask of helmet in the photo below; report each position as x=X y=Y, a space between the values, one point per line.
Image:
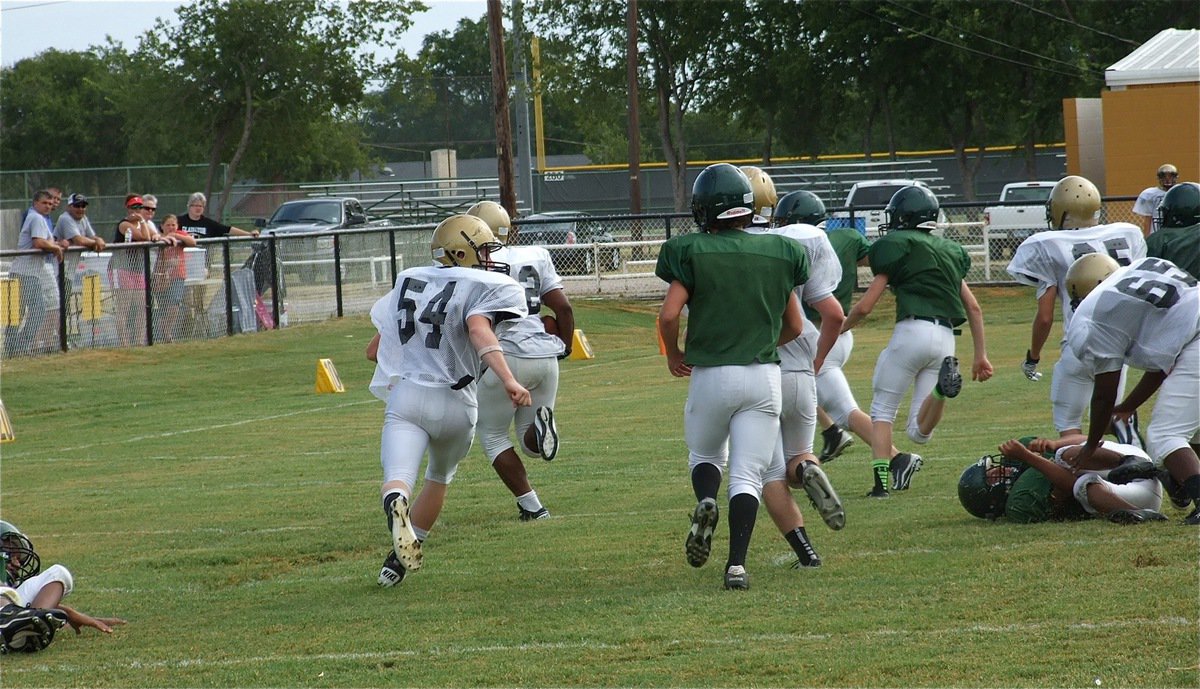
x=983 y=487
x=20 y=559
x=466 y=241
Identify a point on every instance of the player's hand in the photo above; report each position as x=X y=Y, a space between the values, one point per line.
x=677 y=367
x=981 y=369
x=1030 y=367
x=518 y=394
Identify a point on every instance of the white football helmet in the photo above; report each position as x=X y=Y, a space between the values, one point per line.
x=1074 y=202
x=496 y=217
x=1086 y=272
x=465 y=240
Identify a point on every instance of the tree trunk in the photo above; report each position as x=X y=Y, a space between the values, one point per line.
x=668 y=143
x=214 y=158
x=243 y=143
x=768 y=137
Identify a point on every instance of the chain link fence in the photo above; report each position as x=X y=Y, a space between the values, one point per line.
x=144 y=294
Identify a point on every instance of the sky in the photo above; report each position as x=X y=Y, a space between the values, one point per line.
x=28 y=27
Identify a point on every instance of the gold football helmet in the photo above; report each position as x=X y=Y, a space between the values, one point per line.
x=1074 y=203
x=1086 y=272
x=465 y=240
x=765 y=196
x=496 y=217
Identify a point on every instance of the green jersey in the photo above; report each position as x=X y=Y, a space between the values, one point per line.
x=1179 y=245
x=738 y=288
x=925 y=273
x=850 y=246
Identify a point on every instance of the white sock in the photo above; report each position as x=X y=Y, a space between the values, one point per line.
x=422 y=534
x=529 y=501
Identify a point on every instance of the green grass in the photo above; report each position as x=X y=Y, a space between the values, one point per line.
x=205 y=493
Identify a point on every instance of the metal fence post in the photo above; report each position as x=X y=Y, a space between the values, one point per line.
x=62 y=303
x=337 y=271
x=228 y=288
x=392 y=254
x=147 y=299
x=276 y=281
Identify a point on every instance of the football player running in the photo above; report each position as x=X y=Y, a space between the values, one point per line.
x=532 y=355
x=928 y=277
x=1146 y=315
x=738 y=288
x=1042 y=261
x=1178 y=236
x=435 y=341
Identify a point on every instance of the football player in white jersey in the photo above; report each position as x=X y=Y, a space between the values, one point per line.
x=800 y=360
x=435 y=341
x=1146 y=315
x=532 y=354
x=1042 y=261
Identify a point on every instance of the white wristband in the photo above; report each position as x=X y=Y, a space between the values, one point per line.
x=488 y=350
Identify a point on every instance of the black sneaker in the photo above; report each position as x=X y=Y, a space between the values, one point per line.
x=949 y=380
x=1193 y=519
x=823 y=497
x=834 y=449
x=879 y=492
x=1133 y=469
x=527 y=516
x=902 y=468
x=393 y=572
x=545 y=432
x=1174 y=490
x=28 y=630
x=736 y=579
x=1136 y=516
x=698 y=544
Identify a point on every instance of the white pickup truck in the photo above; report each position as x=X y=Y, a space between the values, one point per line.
x=1020 y=212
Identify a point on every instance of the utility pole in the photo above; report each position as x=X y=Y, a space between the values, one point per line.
x=524 y=158
x=504 y=160
x=635 y=141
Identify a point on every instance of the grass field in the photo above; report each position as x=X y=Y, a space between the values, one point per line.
x=203 y=492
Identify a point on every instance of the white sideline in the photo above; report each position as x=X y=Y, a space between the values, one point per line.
x=443 y=650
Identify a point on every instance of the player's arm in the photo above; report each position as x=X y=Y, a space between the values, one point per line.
x=793 y=320
x=483 y=339
x=832 y=318
x=373 y=348
x=866 y=303
x=556 y=300
x=1104 y=395
x=1043 y=321
x=1062 y=478
x=981 y=368
x=1147 y=386
x=669 y=316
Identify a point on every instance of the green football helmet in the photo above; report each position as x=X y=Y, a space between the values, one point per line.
x=1181 y=206
x=912 y=208
x=721 y=192
x=983 y=487
x=799 y=207
x=20 y=559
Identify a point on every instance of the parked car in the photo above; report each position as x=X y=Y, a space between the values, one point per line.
x=1021 y=213
x=311 y=257
x=868 y=199
x=559 y=231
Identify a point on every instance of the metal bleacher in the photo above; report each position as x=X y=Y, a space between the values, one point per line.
x=832 y=181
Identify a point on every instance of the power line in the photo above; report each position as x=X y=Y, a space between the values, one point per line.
x=963 y=47
x=1072 y=22
x=36 y=4
x=981 y=36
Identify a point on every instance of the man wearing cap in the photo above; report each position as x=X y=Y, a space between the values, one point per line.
x=1146 y=206
x=74 y=226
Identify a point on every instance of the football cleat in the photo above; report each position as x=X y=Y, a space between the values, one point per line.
x=404 y=539
x=903 y=466
x=823 y=497
x=736 y=578
x=879 y=492
x=949 y=379
x=1136 y=516
x=1193 y=519
x=698 y=544
x=833 y=450
x=393 y=572
x=527 y=516
x=545 y=432
x=1133 y=471
x=28 y=630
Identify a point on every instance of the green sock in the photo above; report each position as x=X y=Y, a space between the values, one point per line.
x=880 y=467
x=938 y=393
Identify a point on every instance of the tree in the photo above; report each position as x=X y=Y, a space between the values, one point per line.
x=286 y=76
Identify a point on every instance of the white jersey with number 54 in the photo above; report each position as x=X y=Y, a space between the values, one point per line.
x=1142 y=315
x=422 y=325
x=1042 y=260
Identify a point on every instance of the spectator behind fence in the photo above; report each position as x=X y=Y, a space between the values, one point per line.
x=128 y=267
x=149 y=207
x=195 y=223
x=36 y=277
x=167 y=279
x=1146 y=206
x=74 y=227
